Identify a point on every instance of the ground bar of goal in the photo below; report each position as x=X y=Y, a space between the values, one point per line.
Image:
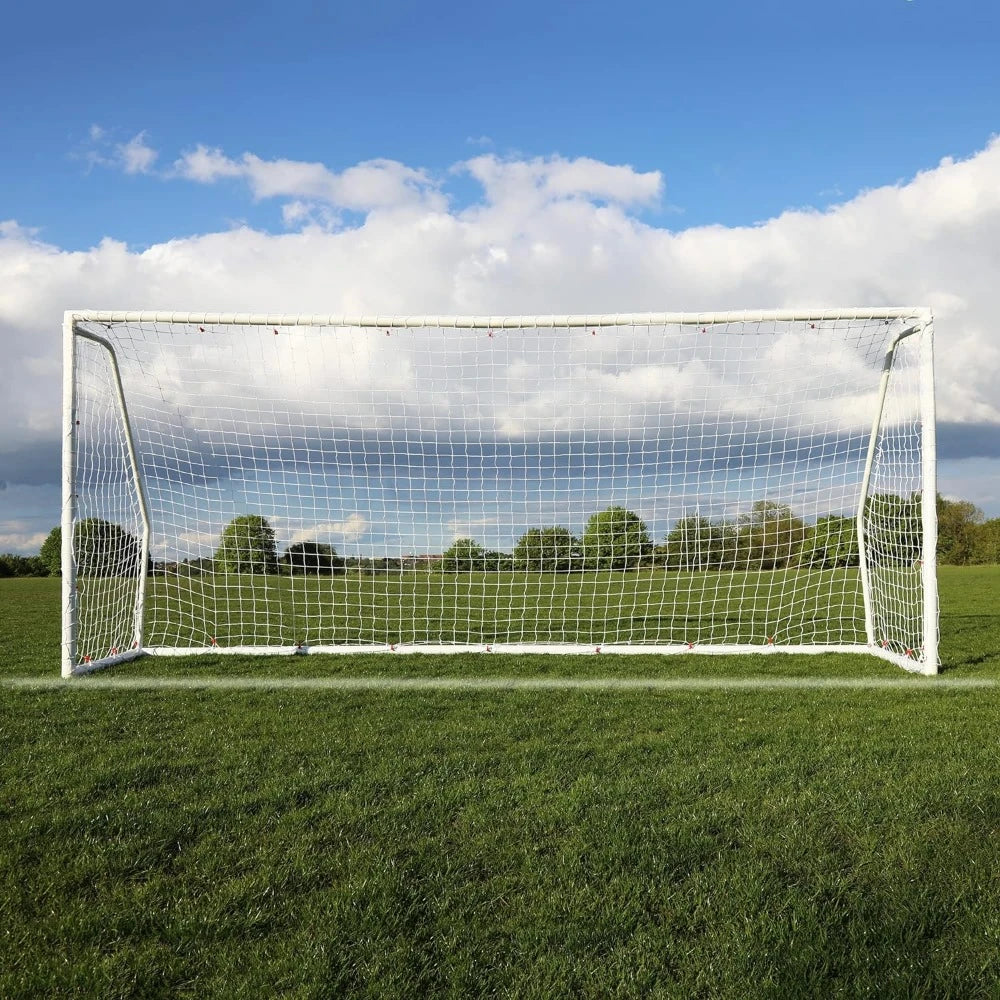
x=578 y=649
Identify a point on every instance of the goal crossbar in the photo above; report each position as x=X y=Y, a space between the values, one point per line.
x=920 y=316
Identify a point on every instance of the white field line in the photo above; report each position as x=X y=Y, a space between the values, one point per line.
x=486 y=684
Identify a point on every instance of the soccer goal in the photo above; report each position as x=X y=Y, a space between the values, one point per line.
x=754 y=482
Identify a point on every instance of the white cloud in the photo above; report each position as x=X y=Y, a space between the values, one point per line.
x=551 y=178
x=206 y=166
x=295 y=212
x=136 y=156
x=308 y=215
x=547 y=235
x=200 y=541
x=468 y=527
x=20 y=538
x=352 y=529
x=375 y=184
x=13 y=230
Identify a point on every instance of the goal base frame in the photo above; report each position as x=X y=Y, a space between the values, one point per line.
x=512 y=649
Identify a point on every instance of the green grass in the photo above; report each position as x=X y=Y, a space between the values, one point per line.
x=650 y=606
x=714 y=843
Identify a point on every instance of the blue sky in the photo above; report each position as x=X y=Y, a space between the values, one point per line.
x=528 y=157
x=748 y=108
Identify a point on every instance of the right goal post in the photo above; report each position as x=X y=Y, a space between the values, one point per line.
x=754 y=482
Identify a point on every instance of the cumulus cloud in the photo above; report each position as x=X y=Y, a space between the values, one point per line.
x=469 y=526
x=136 y=156
x=546 y=235
x=20 y=535
x=352 y=529
x=545 y=179
x=374 y=184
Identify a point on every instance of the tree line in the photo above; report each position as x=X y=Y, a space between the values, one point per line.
x=769 y=536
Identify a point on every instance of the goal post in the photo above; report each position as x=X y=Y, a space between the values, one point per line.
x=754 y=482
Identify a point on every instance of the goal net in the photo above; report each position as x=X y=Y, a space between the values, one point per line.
x=655 y=483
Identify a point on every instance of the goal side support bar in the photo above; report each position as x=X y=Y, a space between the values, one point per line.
x=69 y=567
x=928 y=453
x=928 y=663
x=67 y=556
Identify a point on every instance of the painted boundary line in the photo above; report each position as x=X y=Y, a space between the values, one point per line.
x=486 y=684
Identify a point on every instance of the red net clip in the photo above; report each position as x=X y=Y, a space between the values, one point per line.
x=597 y=649
x=276 y=333
x=392 y=647
x=201 y=329
x=114 y=651
x=86 y=658
x=214 y=643
x=489 y=649
x=770 y=640
x=690 y=645
x=489 y=333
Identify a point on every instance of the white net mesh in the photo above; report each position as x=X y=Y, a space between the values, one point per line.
x=652 y=485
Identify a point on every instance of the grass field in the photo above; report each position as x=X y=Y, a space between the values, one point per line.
x=651 y=606
x=735 y=840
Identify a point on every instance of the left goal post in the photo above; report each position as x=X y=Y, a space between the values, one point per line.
x=94 y=544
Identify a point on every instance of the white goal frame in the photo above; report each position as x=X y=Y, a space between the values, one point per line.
x=916 y=322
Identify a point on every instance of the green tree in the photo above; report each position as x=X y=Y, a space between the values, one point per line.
x=198 y=566
x=104 y=548
x=496 y=561
x=465 y=554
x=247 y=546
x=893 y=529
x=51 y=551
x=314 y=558
x=830 y=543
x=697 y=542
x=547 y=549
x=770 y=535
x=987 y=549
x=958 y=524
x=615 y=539
x=17 y=565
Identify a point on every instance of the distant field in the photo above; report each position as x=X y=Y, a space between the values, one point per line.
x=729 y=842
x=638 y=606
x=647 y=606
